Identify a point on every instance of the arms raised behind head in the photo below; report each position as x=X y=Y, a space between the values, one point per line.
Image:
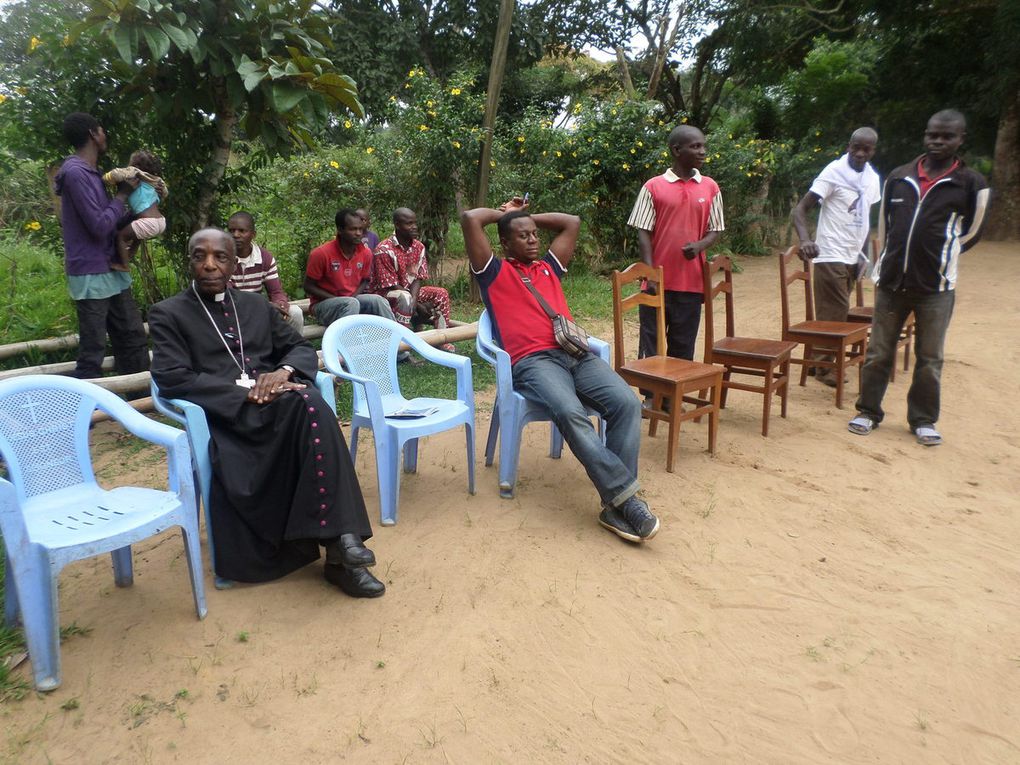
x=479 y=250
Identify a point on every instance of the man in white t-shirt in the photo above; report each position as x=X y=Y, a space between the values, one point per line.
x=846 y=189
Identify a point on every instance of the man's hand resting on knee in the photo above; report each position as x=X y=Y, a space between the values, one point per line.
x=270 y=385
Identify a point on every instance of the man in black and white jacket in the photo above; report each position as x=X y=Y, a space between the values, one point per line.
x=932 y=211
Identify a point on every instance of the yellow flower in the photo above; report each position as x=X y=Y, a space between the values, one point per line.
x=33 y=226
x=423 y=128
x=370 y=149
x=520 y=138
x=21 y=91
x=2 y=98
x=347 y=124
x=456 y=144
x=315 y=166
x=633 y=151
x=544 y=153
x=407 y=85
x=613 y=112
x=398 y=152
x=492 y=163
x=665 y=153
x=626 y=166
x=647 y=165
x=430 y=104
x=595 y=162
x=334 y=164
x=432 y=113
x=661 y=123
x=308 y=175
x=683 y=119
x=748 y=175
x=573 y=154
x=559 y=175
x=559 y=154
x=393 y=99
x=67 y=40
x=34 y=43
x=454 y=91
x=640 y=143
x=411 y=73
x=818 y=148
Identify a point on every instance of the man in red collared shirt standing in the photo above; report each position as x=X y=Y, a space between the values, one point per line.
x=545 y=373
x=339 y=274
x=678 y=215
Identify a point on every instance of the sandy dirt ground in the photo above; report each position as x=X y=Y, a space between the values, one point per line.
x=812 y=597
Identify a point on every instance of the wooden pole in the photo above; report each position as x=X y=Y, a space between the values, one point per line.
x=139 y=381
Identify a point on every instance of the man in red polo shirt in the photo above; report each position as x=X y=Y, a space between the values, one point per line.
x=678 y=215
x=545 y=373
x=339 y=274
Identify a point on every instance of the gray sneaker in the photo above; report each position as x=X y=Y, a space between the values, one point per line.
x=611 y=519
x=635 y=511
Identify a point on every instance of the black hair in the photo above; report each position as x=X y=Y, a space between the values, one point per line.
x=503 y=226
x=949 y=115
x=147 y=162
x=343 y=214
x=78 y=127
x=244 y=214
x=678 y=134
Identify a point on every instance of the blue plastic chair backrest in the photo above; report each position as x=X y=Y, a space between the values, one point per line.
x=44 y=436
x=485 y=329
x=369 y=346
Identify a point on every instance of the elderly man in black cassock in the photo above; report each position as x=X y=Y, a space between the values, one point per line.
x=283 y=481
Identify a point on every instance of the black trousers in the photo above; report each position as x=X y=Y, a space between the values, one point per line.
x=683 y=317
x=117 y=316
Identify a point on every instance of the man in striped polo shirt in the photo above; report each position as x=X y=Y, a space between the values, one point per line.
x=678 y=215
x=256 y=269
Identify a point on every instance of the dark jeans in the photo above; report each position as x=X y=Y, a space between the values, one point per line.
x=932 y=312
x=565 y=385
x=683 y=316
x=118 y=317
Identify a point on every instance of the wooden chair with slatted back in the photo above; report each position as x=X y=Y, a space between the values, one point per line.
x=672 y=382
x=847 y=340
x=865 y=313
x=768 y=360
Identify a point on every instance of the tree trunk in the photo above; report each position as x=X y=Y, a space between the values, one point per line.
x=225 y=120
x=1004 y=216
x=624 y=69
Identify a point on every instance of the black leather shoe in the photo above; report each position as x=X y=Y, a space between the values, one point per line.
x=356 y=582
x=349 y=551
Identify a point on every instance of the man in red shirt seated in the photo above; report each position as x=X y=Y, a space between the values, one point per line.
x=339 y=274
x=545 y=373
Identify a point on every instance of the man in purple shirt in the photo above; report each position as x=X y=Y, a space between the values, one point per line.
x=89 y=219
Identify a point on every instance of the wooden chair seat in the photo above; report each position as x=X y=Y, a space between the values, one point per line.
x=750 y=347
x=863 y=313
x=756 y=357
x=847 y=341
x=666 y=378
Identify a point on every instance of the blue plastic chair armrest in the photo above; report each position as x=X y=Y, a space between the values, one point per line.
x=324 y=382
x=372 y=397
x=599 y=348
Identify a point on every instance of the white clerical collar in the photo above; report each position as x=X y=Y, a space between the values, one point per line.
x=254 y=259
x=672 y=177
x=219 y=297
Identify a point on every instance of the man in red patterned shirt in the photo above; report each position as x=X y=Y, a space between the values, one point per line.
x=400 y=268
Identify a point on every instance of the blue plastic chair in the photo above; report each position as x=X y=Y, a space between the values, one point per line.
x=52 y=511
x=511 y=411
x=367 y=348
x=192 y=417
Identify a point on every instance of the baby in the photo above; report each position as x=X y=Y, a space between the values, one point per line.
x=148 y=222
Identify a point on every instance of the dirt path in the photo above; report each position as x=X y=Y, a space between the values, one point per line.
x=812 y=597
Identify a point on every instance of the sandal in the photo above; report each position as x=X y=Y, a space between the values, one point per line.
x=927 y=436
x=861 y=425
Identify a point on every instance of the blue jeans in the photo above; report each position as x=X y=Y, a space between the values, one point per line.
x=932 y=312
x=565 y=385
x=328 y=311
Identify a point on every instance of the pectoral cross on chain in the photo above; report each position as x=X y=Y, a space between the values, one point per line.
x=244 y=381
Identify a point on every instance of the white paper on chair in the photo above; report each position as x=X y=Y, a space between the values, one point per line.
x=412 y=413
